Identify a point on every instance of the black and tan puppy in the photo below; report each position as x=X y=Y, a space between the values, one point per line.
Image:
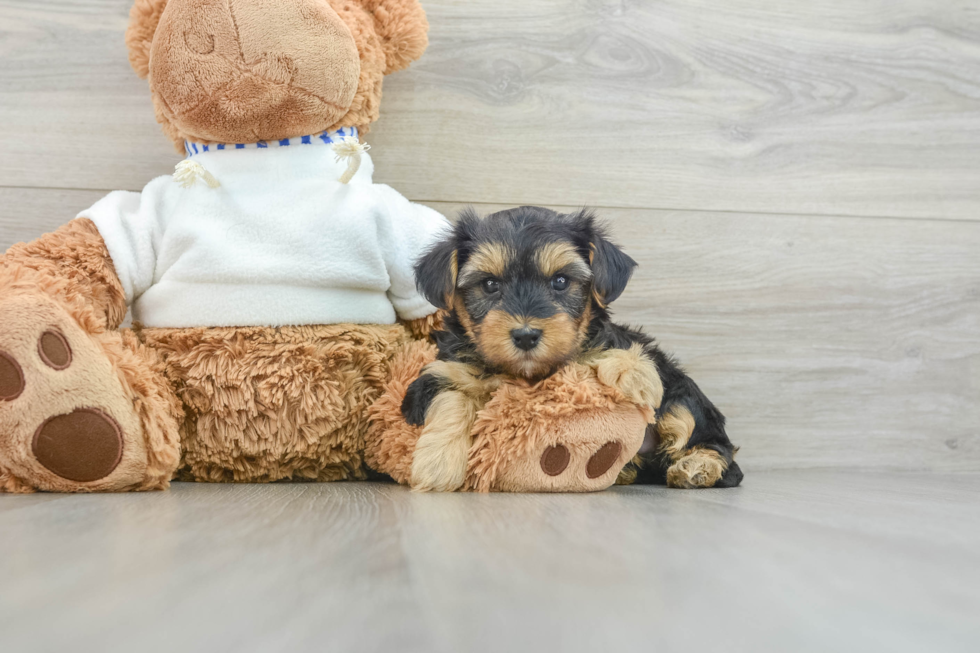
x=528 y=291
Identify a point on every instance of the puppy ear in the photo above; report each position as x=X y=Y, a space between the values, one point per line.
x=144 y=17
x=611 y=269
x=435 y=274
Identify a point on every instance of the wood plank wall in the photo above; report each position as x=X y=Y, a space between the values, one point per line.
x=800 y=183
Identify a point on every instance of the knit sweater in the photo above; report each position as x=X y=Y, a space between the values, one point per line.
x=279 y=242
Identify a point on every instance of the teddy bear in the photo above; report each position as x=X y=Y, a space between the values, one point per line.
x=276 y=321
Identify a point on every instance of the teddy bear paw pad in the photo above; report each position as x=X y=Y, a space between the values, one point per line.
x=11 y=378
x=555 y=459
x=84 y=446
x=54 y=350
x=603 y=459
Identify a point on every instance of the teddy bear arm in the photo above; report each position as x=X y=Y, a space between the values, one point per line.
x=569 y=433
x=73 y=266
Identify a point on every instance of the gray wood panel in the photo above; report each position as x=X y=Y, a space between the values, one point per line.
x=26 y=213
x=843 y=342
x=792 y=561
x=855 y=108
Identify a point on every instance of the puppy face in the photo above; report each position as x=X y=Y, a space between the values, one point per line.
x=525 y=284
x=524 y=305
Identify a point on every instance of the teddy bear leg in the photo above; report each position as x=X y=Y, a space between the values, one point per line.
x=83 y=407
x=569 y=433
x=266 y=404
x=79 y=412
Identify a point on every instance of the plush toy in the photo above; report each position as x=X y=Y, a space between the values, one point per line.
x=276 y=318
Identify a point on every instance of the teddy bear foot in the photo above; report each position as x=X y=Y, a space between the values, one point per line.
x=75 y=408
x=584 y=454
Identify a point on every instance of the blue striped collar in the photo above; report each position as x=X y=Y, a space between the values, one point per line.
x=323 y=138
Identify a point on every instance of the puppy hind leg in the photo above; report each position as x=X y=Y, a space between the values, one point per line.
x=687 y=453
x=698 y=468
x=694 y=444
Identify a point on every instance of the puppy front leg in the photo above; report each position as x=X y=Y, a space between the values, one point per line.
x=419 y=397
x=439 y=462
x=446 y=399
x=633 y=373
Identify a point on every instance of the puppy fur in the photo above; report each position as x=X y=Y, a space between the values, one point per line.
x=527 y=290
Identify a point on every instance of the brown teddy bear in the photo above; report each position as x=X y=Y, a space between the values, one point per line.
x=277 y=322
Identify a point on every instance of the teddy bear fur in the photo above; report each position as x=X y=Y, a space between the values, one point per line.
x=320 y=402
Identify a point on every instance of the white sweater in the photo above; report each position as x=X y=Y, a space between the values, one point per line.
x=280 y=242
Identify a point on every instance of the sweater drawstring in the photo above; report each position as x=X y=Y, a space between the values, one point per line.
x=187 y=173
x=350 y=149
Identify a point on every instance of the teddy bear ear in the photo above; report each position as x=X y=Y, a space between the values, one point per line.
x=143 y=20
x=403 y=29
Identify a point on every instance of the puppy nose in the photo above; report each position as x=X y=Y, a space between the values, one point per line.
x=526 y=338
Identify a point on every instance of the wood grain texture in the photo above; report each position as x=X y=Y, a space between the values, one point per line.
x=828 y=342
x=26 y=213
x=792 y=561
x=856 y=108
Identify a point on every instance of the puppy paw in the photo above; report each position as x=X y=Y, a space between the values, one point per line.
x=699 y=468
x=633 y=374
x=439 y=461
x=439 y=468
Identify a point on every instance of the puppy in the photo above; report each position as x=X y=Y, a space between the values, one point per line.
x=527 y=290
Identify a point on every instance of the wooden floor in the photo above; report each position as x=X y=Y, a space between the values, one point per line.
x=792 y=561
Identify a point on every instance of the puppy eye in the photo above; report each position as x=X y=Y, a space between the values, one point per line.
x=560 y=282
x=491 y=286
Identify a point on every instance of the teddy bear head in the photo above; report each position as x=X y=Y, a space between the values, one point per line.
x=242 y=71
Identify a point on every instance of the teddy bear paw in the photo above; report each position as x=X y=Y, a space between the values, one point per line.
x=584 y=453
x=65 y=422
